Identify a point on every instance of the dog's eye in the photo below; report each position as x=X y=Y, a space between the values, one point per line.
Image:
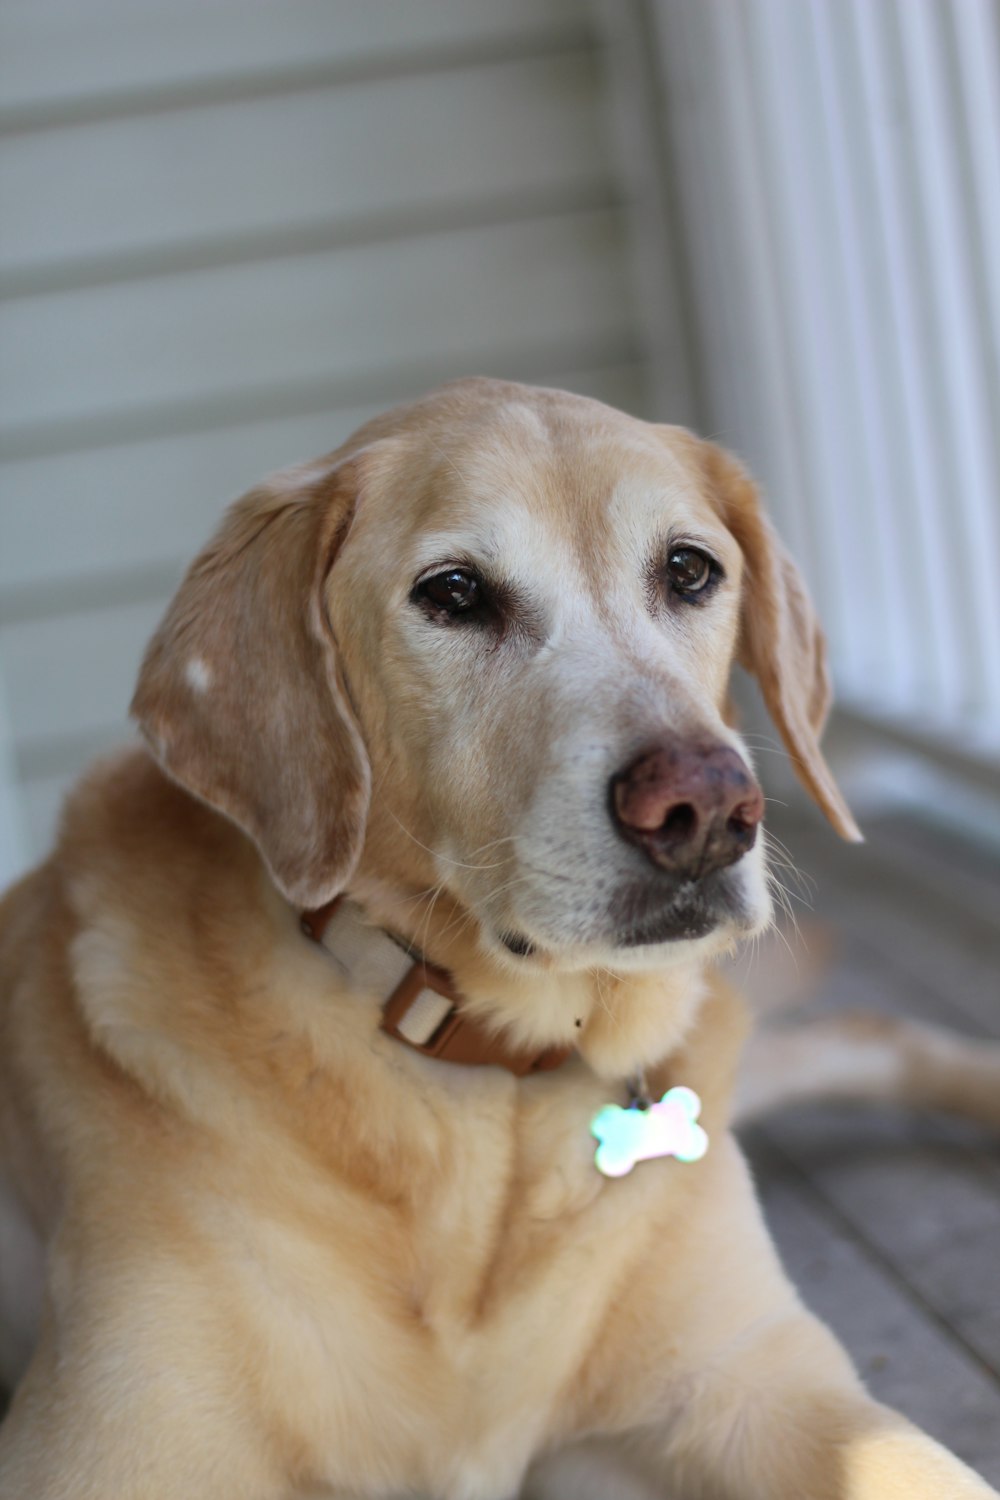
x=455 y=593
x=691 y=572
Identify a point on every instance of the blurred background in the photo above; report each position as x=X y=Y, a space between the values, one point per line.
x=231 y=230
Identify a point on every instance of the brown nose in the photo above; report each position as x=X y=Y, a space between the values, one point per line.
x=690 y=807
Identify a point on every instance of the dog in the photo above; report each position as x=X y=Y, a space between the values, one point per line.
x=366 y=1081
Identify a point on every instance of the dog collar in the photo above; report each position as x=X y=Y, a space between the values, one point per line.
x=423 y=1009
x=421 y=1004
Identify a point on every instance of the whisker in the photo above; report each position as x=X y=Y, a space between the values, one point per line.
x=447 y=858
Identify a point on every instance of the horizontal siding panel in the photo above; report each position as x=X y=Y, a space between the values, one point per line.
x=125 y=507
x=76 y=356
x=41 y=799
x=54 y=51
x=108 y=510
x=132 y=187
x=74 y=674
x=39 y=804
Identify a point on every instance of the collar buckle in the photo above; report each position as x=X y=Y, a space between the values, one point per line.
x=425 y=1011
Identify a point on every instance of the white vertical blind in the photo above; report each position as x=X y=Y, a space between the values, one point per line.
x=836 y=184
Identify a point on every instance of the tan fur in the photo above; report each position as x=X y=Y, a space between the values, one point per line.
x=287 y=1255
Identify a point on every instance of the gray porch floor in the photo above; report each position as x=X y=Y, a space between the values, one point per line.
x=889 y=1222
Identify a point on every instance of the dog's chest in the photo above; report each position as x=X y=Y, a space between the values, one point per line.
x=435 y=1351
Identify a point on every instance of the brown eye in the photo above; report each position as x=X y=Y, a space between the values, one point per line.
x=454 y=593
x=691 y=572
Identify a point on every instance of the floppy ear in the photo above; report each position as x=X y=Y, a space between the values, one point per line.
x=781 y=641
x=239 y=694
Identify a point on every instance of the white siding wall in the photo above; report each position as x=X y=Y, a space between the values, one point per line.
x=230 y=230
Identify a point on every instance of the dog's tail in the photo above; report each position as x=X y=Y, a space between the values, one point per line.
x=852 y=1056
x=865 y=1058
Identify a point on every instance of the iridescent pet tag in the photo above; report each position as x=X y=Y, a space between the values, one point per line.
x=669 y=1128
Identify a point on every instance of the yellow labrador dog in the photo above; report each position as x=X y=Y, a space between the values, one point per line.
x=363 y=1072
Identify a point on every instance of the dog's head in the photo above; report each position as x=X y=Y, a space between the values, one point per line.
x=486 y=647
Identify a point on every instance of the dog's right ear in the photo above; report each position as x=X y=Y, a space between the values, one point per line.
x=781 y=641
x=240 y=696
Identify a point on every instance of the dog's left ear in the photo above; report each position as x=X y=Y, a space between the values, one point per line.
x=781 y=641
x=240 y=695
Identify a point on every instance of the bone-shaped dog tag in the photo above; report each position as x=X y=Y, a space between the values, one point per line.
x=668 y=1128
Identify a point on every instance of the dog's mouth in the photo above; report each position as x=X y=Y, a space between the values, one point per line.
x=690 y=915
x=518 y=944
x=645 y=915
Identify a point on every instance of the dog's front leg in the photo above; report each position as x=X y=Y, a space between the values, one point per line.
x=783 y=1436
x=868 y=1454
x=92 y=1423
x=783 y=1417
x=738 y=1393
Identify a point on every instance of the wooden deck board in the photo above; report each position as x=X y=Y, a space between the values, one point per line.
x=935 y=926
x=906 y=1358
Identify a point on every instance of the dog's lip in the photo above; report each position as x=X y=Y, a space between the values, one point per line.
x=517 y=943
x=647 y=914
x=680 y=912
x=668 y=927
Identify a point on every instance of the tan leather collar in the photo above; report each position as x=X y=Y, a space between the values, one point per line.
x=423 y=1005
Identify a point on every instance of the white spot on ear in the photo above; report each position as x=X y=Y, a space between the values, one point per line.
x=198 y=675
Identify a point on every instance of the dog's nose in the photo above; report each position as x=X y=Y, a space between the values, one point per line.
x=690 y=807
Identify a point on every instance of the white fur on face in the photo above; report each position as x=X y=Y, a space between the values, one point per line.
x=568 y=882
x=513 y=737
